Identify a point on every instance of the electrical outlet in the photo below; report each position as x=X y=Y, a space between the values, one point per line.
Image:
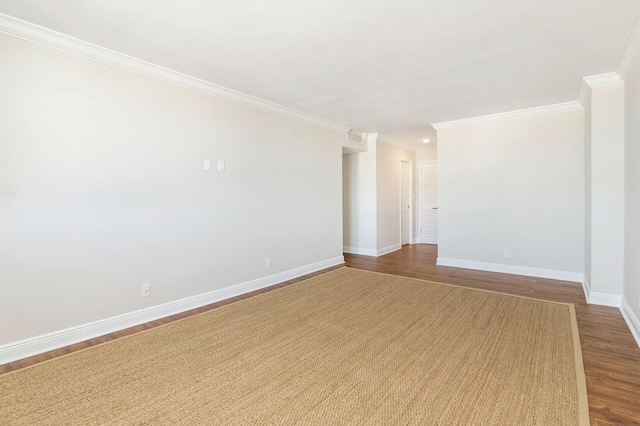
x=146 y=290
x=268 y=263
x=507 y=253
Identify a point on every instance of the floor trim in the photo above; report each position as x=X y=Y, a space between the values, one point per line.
x=631 y=319
x=389 y=249
x=358 y=250
x=61 y=338
x=512 y=269
x=372 y=252
x=601 y=299
x=604 y=299
x=586 y=287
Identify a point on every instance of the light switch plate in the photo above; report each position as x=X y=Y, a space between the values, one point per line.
x=221 y=166
x=207 y=165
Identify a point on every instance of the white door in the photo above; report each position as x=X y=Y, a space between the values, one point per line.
x=404 y=203
x=429 y=203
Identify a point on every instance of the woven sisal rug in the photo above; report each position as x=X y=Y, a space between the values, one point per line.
x=347 y=347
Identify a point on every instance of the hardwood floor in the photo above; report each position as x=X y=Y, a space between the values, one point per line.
x=611 y=356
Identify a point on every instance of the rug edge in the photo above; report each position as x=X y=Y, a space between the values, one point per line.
x=581 y=380
x=460 y=286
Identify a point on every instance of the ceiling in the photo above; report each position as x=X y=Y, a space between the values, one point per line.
x=392 y=67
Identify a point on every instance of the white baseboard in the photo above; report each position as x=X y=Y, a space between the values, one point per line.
x=601 y=299
x=358 y=250
x=388 y=249
x=586 y=287
x=512 y=269
x=372 y=252
x=58 y=339
x=632 y=320
x=604 y=299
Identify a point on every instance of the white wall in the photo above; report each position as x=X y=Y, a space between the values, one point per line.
x=515 y=185
x=606 y=238
x=587 y=190
x=388 y=200
x=426 y=153
x=102 y=189
x=631 y=295
x=360 y=201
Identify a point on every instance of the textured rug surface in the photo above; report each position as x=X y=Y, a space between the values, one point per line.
x=347 y=347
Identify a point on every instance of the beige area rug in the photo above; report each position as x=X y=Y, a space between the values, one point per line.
x=347 y=347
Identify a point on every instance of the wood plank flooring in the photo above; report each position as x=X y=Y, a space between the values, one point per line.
x=611 y=356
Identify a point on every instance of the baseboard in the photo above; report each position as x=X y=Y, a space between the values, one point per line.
x=604 y=299
x=371 y=252
x=358 y=250
x=586 y=287
x=601 y=299
x=388 y=249
x=632 y=320
x=58 y=339
x=512 y=269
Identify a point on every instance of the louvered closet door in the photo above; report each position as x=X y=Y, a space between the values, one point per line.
x=404 y=203
x=429 y=203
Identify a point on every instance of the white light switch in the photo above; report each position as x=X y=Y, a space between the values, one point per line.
x=221 y=166
x=207 y=165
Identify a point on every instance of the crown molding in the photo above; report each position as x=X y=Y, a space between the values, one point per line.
x=630 y=54
x=595 y=81
x=511 y=115
x=41 y=35
x=601 y=80
x=386 y=139
x=583 y=94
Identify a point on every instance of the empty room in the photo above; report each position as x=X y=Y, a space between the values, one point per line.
x=319 y=212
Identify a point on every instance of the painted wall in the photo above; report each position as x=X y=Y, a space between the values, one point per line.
x=515 y=185
x=427 y=153
x=631 y=295
x=388 y=199
x=607 y=189
x=587 y=190
x=360 y=201
x=102 y=189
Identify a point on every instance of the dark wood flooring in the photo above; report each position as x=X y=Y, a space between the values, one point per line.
x=611 y=355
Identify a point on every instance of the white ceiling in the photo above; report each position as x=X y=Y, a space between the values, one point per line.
x=392 y=67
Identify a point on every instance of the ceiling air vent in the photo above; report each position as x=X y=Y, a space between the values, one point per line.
x=354 y=137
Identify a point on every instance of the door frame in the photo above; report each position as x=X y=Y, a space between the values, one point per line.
x=419 y=213
x=410 y=177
